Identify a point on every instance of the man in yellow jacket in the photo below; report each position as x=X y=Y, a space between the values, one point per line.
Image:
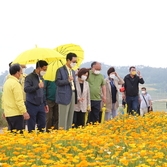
x=13 y=101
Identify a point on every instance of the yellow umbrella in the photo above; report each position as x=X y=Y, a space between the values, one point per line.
x=64 y=50
x=51 y=70
x=103 y=110
x=33 y=55
x=125 y=109
x=67 y=48
x=86 y=116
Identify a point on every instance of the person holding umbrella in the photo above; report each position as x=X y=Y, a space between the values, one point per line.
x=66 y=94
x=35 y=97
x=97 y=92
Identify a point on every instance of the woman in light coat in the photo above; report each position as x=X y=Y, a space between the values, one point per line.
x=83 y=94
x=112 y=93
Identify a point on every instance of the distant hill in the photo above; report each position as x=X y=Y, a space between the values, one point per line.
x=151 y=75
x=157 y=77
x=5 y=73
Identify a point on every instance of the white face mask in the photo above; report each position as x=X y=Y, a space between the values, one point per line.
x=97 y=72
x=72 y=64
x=23 y=70
x=83 y=77
x=143 y=92
x=112 y=76
x=21 y=76
x=42 y=73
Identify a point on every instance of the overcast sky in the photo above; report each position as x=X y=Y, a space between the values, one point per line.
x=119 y=32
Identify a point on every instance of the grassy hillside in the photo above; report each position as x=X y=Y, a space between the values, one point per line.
x=2 y=120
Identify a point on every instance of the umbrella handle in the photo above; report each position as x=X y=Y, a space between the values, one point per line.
x=103 y=109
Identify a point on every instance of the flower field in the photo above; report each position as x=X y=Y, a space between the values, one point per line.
x=131 y=141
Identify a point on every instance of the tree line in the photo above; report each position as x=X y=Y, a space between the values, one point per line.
x=157 y=77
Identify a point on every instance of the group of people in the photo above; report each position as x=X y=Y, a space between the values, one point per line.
x=65 y=102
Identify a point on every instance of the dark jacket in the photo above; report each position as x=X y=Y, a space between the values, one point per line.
x=50 y=90
x=132 y=85
x=34 y=94
x=64 y=91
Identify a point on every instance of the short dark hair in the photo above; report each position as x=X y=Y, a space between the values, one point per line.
x=93 y=63
x=131 y=67
x=83 y=71
x=41 y=63
x=14 y=68
x=70 y=56
x=143 y=88
x=110 y=70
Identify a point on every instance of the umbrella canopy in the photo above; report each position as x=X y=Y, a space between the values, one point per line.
x=64 y=50
x=67 y=48
x=33 y=55
x=51 y=70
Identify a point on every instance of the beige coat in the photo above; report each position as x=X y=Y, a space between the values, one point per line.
x=22 y=81
x=117 y=81
x=82 y=106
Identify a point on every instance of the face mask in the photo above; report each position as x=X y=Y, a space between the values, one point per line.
x=143 y=92
x=42 y=73
x=83 y=77
x=112 y=76
x=23 y=70
x=133 y=72
x=72 y=64
x=21 y=76
x=97 y=72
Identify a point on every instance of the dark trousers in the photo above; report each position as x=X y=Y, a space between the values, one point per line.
x=15 y=123
x=52 y=116
x=25 y=121
x=132 y=104
x=95 y=110
x=79 y=118
x=37 y=116
x=100 y=116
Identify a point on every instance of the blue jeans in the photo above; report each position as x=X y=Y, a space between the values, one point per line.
x=112 y=113
x=37 y=116
x=132 y=104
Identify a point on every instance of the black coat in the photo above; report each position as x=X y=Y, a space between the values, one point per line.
x=132 y=85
